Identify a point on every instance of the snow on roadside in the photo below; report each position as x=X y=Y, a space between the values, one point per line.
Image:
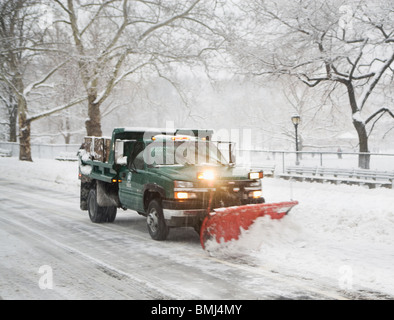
x=343 y=235
x=55 y=174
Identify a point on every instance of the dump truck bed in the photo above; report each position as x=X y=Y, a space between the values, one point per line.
x=95 y=154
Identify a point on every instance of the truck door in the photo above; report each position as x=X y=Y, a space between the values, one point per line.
x=133 y=177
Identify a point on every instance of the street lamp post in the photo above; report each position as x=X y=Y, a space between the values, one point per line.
x=296 y=121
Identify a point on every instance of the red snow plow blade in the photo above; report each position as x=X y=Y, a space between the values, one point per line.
x=226 y=223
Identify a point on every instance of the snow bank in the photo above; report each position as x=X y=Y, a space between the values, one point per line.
x=58 y=175
x=340 y=234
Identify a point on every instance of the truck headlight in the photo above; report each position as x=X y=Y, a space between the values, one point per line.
x=183 y=184
x=255 y=194
x=255 y=175
x=185 y=195
x=206 y=175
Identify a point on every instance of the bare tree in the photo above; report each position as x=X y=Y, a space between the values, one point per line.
x=115 y=39
x=69 y=122
x=22 y=47
x=338 y=46
x=7 y=99
x=11 y=28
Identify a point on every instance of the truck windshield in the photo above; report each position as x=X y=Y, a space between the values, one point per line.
x=183 y=153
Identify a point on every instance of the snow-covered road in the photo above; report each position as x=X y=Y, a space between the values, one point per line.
x=44 y=237
x=39 y=227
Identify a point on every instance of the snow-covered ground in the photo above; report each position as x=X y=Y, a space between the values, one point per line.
x=342 y=235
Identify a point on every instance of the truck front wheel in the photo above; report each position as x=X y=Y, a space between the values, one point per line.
x=99 y=214
x=157 y=227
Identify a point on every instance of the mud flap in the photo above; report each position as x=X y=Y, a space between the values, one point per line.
x=225 y=224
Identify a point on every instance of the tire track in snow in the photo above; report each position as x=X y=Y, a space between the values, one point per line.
x=145 y=289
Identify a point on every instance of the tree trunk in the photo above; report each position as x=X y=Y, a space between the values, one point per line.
x=13 y=119
x=93 y=124
x=24 y=124
x=365 y=157
x=67 y=138
x=24 y=138
x=359 y=125
x=67 y=135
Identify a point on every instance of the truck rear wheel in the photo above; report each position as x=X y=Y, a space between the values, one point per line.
x=84 y=194
x=157 y=227
x=110 y=214
x=99 y=214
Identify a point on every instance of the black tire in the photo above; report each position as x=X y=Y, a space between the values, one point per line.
x=99 y=214
x=110 y=214
x=84 y=194
x=197 y=227
x=157 y=227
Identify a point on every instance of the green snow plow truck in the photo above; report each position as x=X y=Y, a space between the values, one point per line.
x=172 y=178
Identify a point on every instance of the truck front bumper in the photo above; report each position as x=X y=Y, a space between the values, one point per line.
x=182 y=214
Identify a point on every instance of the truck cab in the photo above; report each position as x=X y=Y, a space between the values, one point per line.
x=174 y=179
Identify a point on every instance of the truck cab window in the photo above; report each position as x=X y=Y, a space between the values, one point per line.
x=136 y=160
x=139 y=162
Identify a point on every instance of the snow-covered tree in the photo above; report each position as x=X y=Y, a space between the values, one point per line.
x=10 y=108
x=23 y=69
x=116 y=39
x=342 y=47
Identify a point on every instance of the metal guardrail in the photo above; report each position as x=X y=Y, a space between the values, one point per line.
x=41 y=151
x=341 y=160
x=5 y=153
x=370 y=178
x=323 y=166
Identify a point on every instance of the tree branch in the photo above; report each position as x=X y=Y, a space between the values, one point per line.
x=63 y=7
x=375 y=81
x=12 y=86
x=56 y=109
x=383 y=111
x=121 y=29
x=44 y=79
x=102 y=6
x=311 y=82
x=115 y=79
x=357 y=60
x=168 y=21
